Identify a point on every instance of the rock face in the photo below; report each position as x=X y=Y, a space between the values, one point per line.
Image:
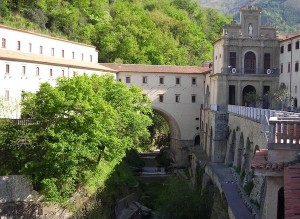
x=19 y=200
x=16 y=188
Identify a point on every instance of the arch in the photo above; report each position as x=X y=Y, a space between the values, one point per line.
x=249 y=96
x=197 y=140
x=207 y=96
x=174 y=129
x=295 y=104
x=280 y=203
x=205 y=139
x=247 y=157
x=210 y=143
x=238 y=157
x=231 y=149
x=249 y=63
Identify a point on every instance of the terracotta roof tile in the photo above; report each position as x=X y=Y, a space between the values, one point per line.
x=292 y=191
x=172 y=69
x=260 y=161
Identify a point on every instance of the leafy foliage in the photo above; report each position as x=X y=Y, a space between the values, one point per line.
x=82 y=122
x=283 y=13
x=177 y=32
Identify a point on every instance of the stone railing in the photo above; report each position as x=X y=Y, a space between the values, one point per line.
x=257 y=113
x=284 y=130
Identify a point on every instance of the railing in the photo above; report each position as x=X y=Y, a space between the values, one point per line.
x=230 y=70
x=285 y=130
x=258 y=113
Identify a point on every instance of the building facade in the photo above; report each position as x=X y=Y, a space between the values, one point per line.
x=289 y=68
x=28 y=59
x=245 y=61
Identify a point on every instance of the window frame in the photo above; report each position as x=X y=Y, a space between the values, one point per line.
x=127 y=79
x=177 y=80
x=160 y=98
x=177 y=98
x=193 y=98
x=7 y=69
x=3 y=43
x=145 y=79
x=161 y=80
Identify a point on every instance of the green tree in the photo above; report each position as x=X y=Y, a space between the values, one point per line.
x=82 y=121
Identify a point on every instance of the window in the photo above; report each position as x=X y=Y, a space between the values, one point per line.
x=6 y=96
x=194 y=81
x=63 y=53
x=289 y=67
x=127 y=79
x=216 y=57
x=161 y=80
x=30 y=47
x=52 y=51
x=177 y=80
x=289 y=47
x=232 y=59
x=177 y=98
x=120 y=79
x=282 y=49
x=41 y=49
x=82 y=56
x=37 y=71
x=3 y=43
x=74 y=73
x=281 y=68
x=161 y=98
x=296 y=89
x=51 y=72
x=91 y=58
x=23 y=70
x=145 y=79
x=7 y=68
x=73 y=55
x=267 y=61
x=297 y=45
x=18 y=45
x=296 y=66
x=63 y=73
x=194 y=100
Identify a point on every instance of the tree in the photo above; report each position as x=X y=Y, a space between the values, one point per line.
x=82 y=121
x=282 y=95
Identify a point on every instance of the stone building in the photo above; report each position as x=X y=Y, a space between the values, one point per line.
x=245 y=61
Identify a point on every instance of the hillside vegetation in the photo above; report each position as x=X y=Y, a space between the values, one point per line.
x=177 y=32
x=282 y=13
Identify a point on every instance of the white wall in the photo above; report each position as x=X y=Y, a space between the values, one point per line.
x=12 y=36
x=290 y=79
x=185 y=112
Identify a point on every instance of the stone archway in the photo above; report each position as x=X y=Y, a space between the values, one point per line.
x=238 y=153
x=246 y=158
x=250 y=63
x=197 y=140
x=249 y=96
x=231 y=149
x=175 y=135
x=207 y=96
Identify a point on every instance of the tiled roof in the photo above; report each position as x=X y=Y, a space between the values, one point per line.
x=49 y=60
x=260 y=161
x=292 y=191
x=172 y=69
x=288 y=36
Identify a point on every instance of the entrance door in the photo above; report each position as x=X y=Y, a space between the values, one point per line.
x=250 y=63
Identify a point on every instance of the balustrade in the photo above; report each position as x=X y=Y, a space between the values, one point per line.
x=284 y=130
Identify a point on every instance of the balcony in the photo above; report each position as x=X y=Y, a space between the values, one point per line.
x=230 y=70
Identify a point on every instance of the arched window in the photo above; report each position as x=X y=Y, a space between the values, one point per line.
x=250 y=63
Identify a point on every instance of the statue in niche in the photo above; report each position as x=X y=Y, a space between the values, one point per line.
x=250 y=29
